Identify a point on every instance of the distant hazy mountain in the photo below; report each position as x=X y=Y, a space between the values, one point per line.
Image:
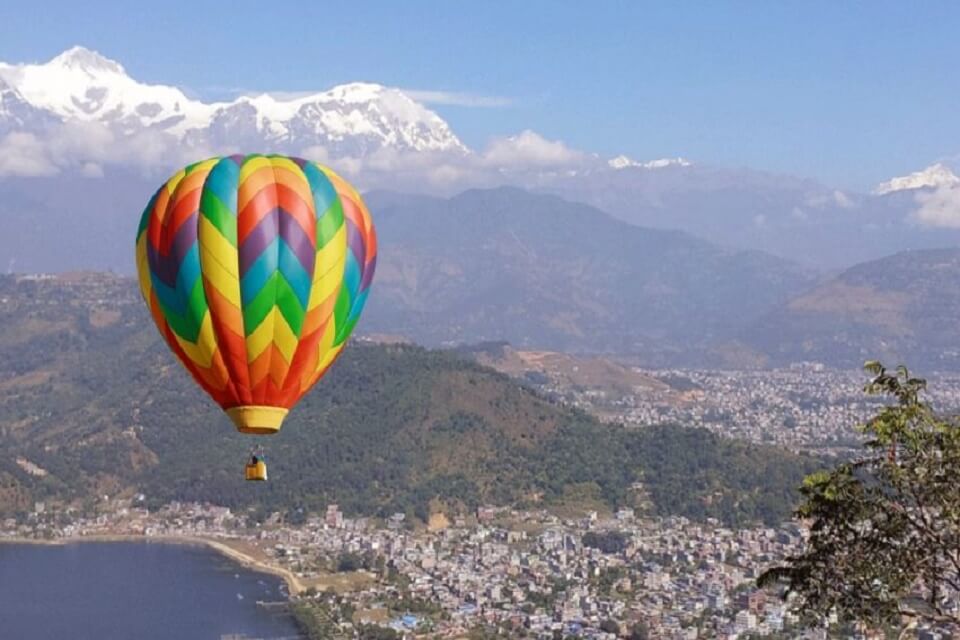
x=795 y=218
x=903 y=309
x=499 y=264
x=535 y=270
x=71 y=222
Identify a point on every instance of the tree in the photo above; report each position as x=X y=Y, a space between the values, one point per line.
x=373 y=632
x=640 y=632
x=884 y=546
x=349 y=562
x=606 y=541
x=610 y=626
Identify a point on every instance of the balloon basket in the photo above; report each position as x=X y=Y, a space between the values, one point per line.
x=256 y=471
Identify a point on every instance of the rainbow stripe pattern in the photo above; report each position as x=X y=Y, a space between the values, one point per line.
x=255 y=269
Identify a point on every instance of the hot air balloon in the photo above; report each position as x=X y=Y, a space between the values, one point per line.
x=255 y=270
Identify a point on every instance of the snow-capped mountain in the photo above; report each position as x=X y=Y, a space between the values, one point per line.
x=935 y=176
x=625 y=162
x=18 y=114
x=80 y=84
x=347 y=120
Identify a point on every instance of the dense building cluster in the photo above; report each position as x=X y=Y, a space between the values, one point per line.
x=803 y=407
x=590 y=576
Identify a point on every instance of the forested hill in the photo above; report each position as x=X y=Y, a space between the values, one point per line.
x=92 y=403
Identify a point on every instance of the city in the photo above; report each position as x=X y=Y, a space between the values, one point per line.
x=805 y=407
x=532 y=571
x=520 y=574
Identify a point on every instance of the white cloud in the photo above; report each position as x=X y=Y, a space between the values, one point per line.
x=316 y=153
x=87 y=146
x=406 y=170
x=521 y=159
x=447 y=174
x=843 y=200
x=23 y=154
x=91 y=170
x=530 y=149
x=348 y=165
x=936 y=175
x=836 y=198
x=457 y=98
x=939 y=208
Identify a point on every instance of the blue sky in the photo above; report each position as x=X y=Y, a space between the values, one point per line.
x=847 y=92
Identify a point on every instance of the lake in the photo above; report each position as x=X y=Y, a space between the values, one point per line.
x=126 y=590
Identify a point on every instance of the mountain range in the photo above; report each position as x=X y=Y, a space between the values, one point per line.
x=798 y=219
x=82 y=145
x=83 y=121
x=543 y=273
x=539 y=271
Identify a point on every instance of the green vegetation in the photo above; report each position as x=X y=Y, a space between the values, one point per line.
x=607 y=580
x=606 y=541
x=323 y=616
x=610 y=626
x=89 y=394
x=375 y=632
x=348 y=562
x=884 y=548
x=314 y=619
x=640 y=632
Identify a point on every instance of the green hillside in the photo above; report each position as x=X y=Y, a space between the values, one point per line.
x=89 y=395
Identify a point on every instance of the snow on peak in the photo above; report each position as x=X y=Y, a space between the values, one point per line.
x=624 y=162
x=934 y=176
x=80 y=84
x=354 y=118
x=354 y=92
x=84 y=59
x=660 y=163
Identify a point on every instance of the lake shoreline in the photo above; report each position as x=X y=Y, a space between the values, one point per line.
x=294 y=585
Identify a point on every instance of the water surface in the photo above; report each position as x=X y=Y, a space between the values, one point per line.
x=127 y=590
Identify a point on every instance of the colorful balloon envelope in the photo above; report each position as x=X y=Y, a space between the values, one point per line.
x=255 y=269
